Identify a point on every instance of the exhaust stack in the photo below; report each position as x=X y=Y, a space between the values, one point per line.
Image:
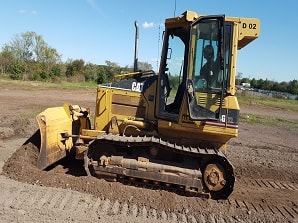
x=135 y=67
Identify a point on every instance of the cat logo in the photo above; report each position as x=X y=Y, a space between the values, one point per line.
x=136 y=86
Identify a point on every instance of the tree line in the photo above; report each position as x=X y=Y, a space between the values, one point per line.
x=287 y=87
x=28 y=57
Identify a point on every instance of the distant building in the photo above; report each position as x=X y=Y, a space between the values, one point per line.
x=246 y=85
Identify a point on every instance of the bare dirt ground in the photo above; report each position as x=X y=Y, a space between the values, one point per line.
x=265 y=161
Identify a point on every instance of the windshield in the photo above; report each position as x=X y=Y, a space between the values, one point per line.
x=210 y=56
x=208 y=74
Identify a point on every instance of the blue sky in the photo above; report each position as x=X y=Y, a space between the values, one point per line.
x=100 y=30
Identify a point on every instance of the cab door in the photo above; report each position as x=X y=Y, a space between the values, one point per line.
x=173 y=73
x=208 y=69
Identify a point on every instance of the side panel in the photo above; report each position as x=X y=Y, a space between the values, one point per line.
x=103 y=108
x=129 y=104
x=121 y=103
x=127 y=99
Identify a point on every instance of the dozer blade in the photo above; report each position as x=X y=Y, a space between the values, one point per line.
x=55 y=126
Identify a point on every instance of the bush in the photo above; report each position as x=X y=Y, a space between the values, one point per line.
x=16 y=71
x=55 y=71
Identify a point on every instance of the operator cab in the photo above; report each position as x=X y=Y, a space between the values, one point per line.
x=196 y=62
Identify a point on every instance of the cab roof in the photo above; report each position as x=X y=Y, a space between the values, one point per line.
x=248 y=28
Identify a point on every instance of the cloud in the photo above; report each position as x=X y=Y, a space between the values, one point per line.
x=148 y=25
x=24 y=11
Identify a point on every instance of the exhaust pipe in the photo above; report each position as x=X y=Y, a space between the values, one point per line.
x=135 y=67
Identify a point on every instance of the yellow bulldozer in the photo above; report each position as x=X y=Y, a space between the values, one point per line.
x=147 y=131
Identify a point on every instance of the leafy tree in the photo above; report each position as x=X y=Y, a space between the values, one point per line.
x=55 y=71
x=16 y=71
x=253 y=83
x=144 y=66
x=260 y=84
x=78 y=66
x=6 y=60
x=102 y=74
x=174 y=81
x=112 y=70
x=69 y=70
x=293 y=87
x=28 y=56
x=276 y=87
x=31 y=47
x=283 y=86
x=267 y=85
x=90 y=72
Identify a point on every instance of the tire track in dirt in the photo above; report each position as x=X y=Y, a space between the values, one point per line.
x=287 y=210
x=32 y=197
x=23 y=197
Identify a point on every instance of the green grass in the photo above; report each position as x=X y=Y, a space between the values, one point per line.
x=266 y=120
x=38 y=84
x=268 y=102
